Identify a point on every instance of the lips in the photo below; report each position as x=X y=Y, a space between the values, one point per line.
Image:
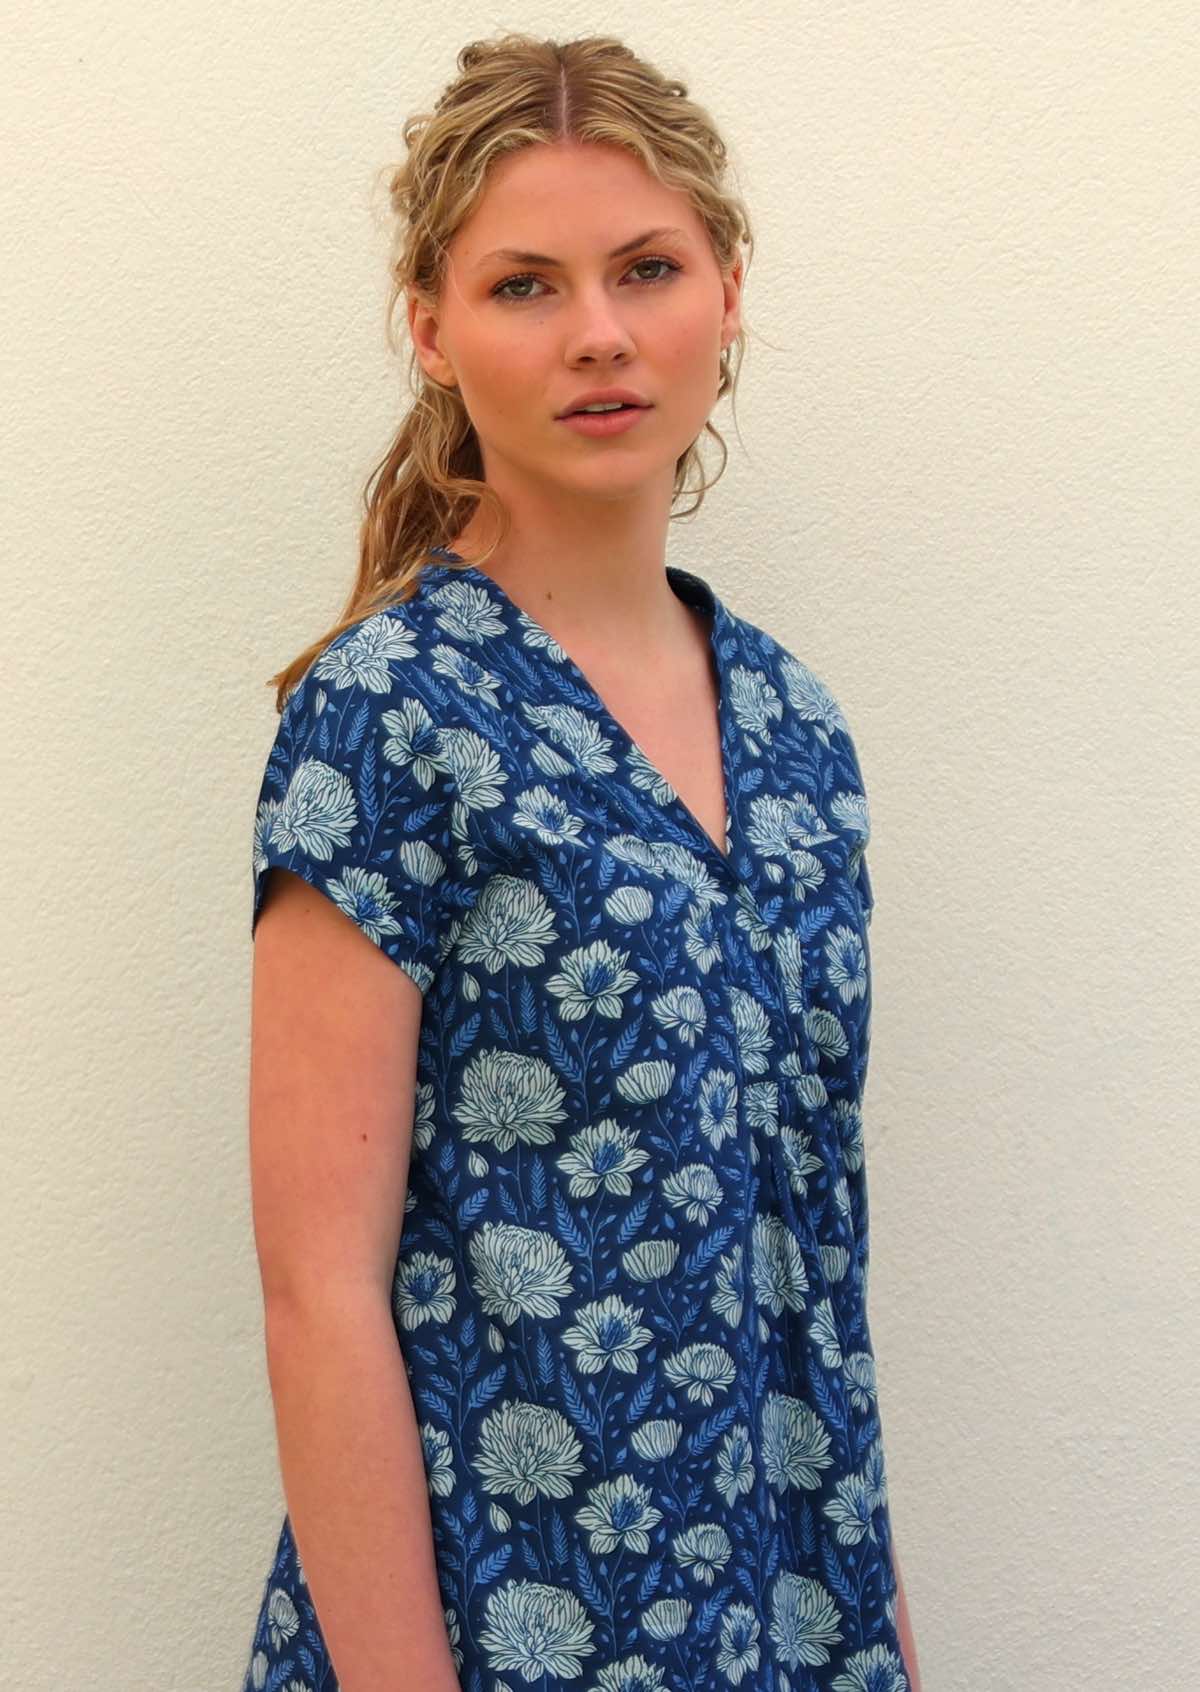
x=603 y=396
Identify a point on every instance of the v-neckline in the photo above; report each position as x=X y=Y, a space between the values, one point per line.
x=692 y=590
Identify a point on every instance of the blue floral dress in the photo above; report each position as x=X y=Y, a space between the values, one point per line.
x=631 y=1292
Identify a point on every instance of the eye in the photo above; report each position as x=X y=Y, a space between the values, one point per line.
x=527 y=276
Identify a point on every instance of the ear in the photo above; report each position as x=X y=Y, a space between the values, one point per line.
x=731 y=322
x=423 y=328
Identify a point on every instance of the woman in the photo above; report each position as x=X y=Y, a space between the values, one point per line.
x=556 y=1144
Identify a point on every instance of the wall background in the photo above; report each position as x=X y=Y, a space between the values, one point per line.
x=965 y=492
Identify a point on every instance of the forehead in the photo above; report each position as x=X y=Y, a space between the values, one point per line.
x=571 y=201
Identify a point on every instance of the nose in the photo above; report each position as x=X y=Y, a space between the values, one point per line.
x=598 y=333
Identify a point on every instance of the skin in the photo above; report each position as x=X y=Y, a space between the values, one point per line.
x=908 y=1645
x=586 y=550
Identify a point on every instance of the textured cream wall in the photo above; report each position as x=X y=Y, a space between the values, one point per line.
x=966 y=492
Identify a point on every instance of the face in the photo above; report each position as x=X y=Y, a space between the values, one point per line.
x=523 y=339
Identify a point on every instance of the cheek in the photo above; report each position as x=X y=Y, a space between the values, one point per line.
x=496 y=377
x=689 y=354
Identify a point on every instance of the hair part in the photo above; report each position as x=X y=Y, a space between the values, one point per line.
x=513 y=91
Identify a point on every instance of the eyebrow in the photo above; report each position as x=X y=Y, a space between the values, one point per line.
x=518 y=257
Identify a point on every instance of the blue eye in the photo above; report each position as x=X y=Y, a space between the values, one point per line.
x=527 y=276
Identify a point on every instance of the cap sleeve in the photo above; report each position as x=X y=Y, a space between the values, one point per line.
x=357 y=797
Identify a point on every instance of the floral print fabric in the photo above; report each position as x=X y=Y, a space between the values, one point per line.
x=631 y=1292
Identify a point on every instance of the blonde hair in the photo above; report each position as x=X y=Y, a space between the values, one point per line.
x=513 y=91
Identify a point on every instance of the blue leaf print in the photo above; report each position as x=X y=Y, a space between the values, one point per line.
x=465 y=1036
x=649 y=1581
x=710 y=1429
x=471 y=1207
x=566 y=1227
x=710 y=1610
x=485 y=1390
x=631 y=1227
x=587 y=1584
x=558 y=1054
x=555 y=885
x=836 y=1577
x=494 y=1564
x=626 y=1044
x=572 y=1398
x=544 y=1355
x=356 y=732
x=641 y=1399
x=815 y=921
x=702 y=1255
x=823 y=1398
x=527 y=1016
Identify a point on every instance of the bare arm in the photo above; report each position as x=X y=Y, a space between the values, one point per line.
x=332 y=1092
x=908 y=1645
x=353 y=1475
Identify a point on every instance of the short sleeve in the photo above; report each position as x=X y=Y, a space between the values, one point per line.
x=852 y=811
x=864 y=886
x=357 y=798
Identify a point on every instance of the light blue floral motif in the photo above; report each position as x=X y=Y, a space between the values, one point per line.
x=877 y=1669
x=650 y=1260
x=733 y=1472
x=739 y=1652
x=804 y=1621
x=846 y=966
x=506 y=1097
x=727 y=1298
x=602 y=1156
x=511 y=926
x=608 y=1331
x=777 y=1270
x=536 y=1629
x=701 y=1370
x=667 y=1618
x=634 y=1674
x=439 y=1459
x=548 y=816
x=796 y=1443
x=591 y=982
x=630 y=1290
x=518 y=1271
x=695 y=1190
x=527 y=1449
x=618 y=1514
x=682 y=1010
x=852 y=1508
x=703 y=1551
x=423 y=1290
x=656 y=1438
